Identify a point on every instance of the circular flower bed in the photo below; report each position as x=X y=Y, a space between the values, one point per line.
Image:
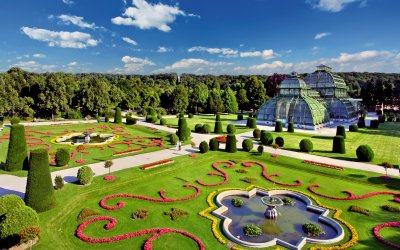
x=109 y=178
x=381 y=226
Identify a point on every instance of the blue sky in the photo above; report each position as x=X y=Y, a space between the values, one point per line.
x=186 y=36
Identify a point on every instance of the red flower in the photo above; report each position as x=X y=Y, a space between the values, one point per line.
x=109 y=178
x=156 y=164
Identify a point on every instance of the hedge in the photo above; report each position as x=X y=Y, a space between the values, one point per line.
x=190 y=115
x=252 y=123
x=181 y=115
x=85 y=175
x=130 y=120
x=257 y=133
x=206 y=129
x=218 y=127
x=374 y=124
x=240 y=117
x=290 y=127
x=173 y=139
x=231 y=129
x=266 y=138
x=247 y=145
x=260 y=149
x=17 y=156
x=231 y=143
x=306 y=145
x=280 y=141
x=118 y=116
x=39 y=193
x=10 y=201
x=198 y=127
x=218 y=118
x=361 y=124
x=14 y=120
x=338 y=145
x=62 y=157
x=278 y=126
x=214 y=144
x=353 y=128
x=365 y=153
x=203 y=147
x=340 y=130
x=163 y=121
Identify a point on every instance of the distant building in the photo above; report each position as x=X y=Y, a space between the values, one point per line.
x=319 y=99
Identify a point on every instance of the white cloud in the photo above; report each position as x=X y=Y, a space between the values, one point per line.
x=130 y=41
x=223 y=51
x=34 y=66
x=68 y=2
x=162 y=49
x=145 y=15
x=315 y=50
x=265 y=68
x=38 y=55
x=321 y=35
x=334 y=5
x=63 y=39
x=265 y=54
x=134 y=64
x=75 y=20
x=72 y=64
x=137 y=60
x=193 y=65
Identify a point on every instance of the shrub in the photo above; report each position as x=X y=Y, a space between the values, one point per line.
x=14 y=120
x=365 y=153
x=290 y=127
x=163 y=121
x=391 y=208
x=39 y=193
x=148 y=118
x=108 y=164
x=353 y=128
x=361 y=124
x=252 y=123
x=206 y=129
x=306 y=145
x=252 y=230
x=190 y=115
x=17 y=156
x=231 y=129
x=159 y=116
x=338 y=145
x=248 y=122
x=218 y=118
x=374 y=124
x=247 y=145
x=176 y=213
x=29 y=233
x=257 y=133
x=181 y=115
x=73 y=114
x=106 y=119
x=203 y=147
x=118 y=116
x=280 y=141
x=312 y=229
x=173 y=139
x=340 y=130
x=260 y=149
x=183 y=130
x=8 y=202
x=230 y=145
x=130 y=120
x=153 y=119
x=86 y=213
x=218 y=127
x=278 y=126
x=240 y=117
x=214 y=144
x=382 y=118
x=249 y=180
x=236 y=202
x=266 y=138
x=198 y=127
x=140 y=214
x=360 y=210
x=85 y=175
x=59 y=182
x=62 y=157
x=288 y=202
x=241 y=170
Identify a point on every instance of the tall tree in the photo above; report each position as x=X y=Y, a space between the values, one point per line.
x=255 y=92
x=215 y=103
x=198 y=97
x=180 y=99
x=242 y=100
x=229 y=99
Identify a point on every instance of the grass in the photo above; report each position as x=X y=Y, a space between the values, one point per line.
x=95 y=154
x=59 y=224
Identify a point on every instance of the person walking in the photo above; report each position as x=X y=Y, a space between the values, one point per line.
x=179 y=145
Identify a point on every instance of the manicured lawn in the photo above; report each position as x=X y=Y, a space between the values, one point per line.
x=59 y=224
x=130 y=137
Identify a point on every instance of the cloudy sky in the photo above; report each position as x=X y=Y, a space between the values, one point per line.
x=208 y=36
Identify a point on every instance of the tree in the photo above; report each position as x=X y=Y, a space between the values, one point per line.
x=272 y=83
x=215 y=103
x=17 y=156
x=108 y=164
x=255 y=92
x=242 y=100
x=229 y=99
x=198 y=97
x=180 y=99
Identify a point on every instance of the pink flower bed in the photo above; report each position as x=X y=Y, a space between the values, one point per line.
x=81 y=161
x=127 y=151
x=109 y=178
x=382 y=240
x=221 y=173
x=192 y=155
x=275 y=155
x=350 y=195
x=111 y=223
x=156 y=164
x=323 y=164
x=397 y=199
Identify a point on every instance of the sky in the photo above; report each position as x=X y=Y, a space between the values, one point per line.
x=200 y=37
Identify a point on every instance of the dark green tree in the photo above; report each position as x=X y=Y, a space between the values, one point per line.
x=215 y=103
x=243 y=101
x=255 y=92
x=180 y=100
x=229 y=99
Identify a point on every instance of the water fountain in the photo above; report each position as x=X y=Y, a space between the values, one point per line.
x=272 y=203
x=85 y=138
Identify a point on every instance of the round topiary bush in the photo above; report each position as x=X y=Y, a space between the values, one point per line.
x=257 y=133
x=365 y=153
x=62 y=157
x=173 y=139
x=10 y=201
x=154 y=119
x=230 y=146
x=240 y=117
x=214 y=144
x=340 y=130
x=218 y=127
x=163 y=121
x=374 y=124
x=198 y=127
x=353 y=128
x=252 y=122
x=247 y=145
x=278 y=126
x=39 y=193
x=203 y=147
x=130 y=120
x=252 y=230
x=206 y=129
x=218 y=118
x=236 y=202
x=338 y=145
x=85 y=175
x=190 y=115
x=290 y=127
x=306 y=146
x=181 y=115
x=280 y=141
x=266 y=138
x=260 y=149
x=231 y=129
x=17 y=156
x=14 y=120
x=118 y=115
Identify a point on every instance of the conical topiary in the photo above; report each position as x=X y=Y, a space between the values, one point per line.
x=17 y=156
x=39 y=193
x=230 y=145
x=118 y=116
x=218 y=127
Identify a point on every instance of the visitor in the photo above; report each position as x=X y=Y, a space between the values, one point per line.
x=179 y=145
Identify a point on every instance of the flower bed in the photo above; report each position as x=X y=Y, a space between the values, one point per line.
x=221 y=173
x=382 y=240
x=127 y=151
x=321 y=164
x=221 y=139
x=156 y=164
x=192 y=155
x=81 y=161
x=109 y=178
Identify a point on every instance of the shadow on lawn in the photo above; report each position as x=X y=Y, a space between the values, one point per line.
x=4 y=191
x=322 y=137
x=393 y=183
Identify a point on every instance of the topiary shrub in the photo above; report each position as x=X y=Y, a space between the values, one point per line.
x=231 y=129
x=159 y=116
x=203 y=147
x=391 y=208
x=257 y=133
x=130 y=120
x=39 y=193
x=252 y=123
x=62 y=157
x=248 y=122
x=153 y=119
x=247 y=145
x=198 y=127
x=118 y=116
x=206 y=129
x=218 y=127
x=163 y=121
x=85 y=175
x=17 y=156
x=361 y=122
x=338 y=145
x=340 y=130
x=266 y=138
x=214 y=144
x=260 y=149
x=14 y=120
x=306 y=146
x=290 y=127
x=374 y=124
x=148 y=118
x=173 y=139
x=218 y=118
x=240 y=117
x=252 y=230
x=236 y=202
x=312 y=229
x=58 y=182
x=278 y=126
x=230 y=146
x=183 y=130
x=190 y=115
x=181 y=115
x=8 y=202
x=279 y=141
x=365 y=153
x=353 y=128
x=151 y=111
x=360 y=210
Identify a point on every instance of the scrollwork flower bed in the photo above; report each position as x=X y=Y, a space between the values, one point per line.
x=382 y=240
x=156 y=164
x=321 y=164
x=127 y=151
x=221 y=173
x=109 y=178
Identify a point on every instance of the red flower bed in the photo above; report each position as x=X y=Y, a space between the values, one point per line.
x=323 y=164
x=109 y=178
x=275 y=155
x=156 y=164
x=221 y=139
x=192 y=155
x=81 y=161
x=221 y=173
x=127 y=151
x=382 y=240
x=350 y=195
x=397 y=199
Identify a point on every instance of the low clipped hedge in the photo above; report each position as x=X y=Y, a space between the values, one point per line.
x=205 y=129
x=306 y=145
x=230 y=145
x=85 y=175
x=247 y=145
x=278 y=126
x=214 y=144
x=353 y=128
x=203 y=147
x=130 y=120
x=360 y=210
x=163 y=121
x=257 y=133
x=198 y=127
x=374 y=124
x=365 y=153
x=266 y=138
x=280 y=141
x=62 y=157
x=218 y=127
x=231 y=129
x=173 y=139
x=340 y=130
x=338 y=145
x=290 y=127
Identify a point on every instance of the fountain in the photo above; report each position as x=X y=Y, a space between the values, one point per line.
x=85 y=138
x=272 y=203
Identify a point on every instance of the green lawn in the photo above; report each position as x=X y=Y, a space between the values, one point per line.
x=92 y=155
x=59 y=224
